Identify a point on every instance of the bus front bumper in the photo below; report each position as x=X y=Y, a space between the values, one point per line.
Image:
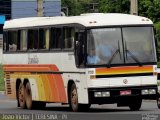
x=115 y=95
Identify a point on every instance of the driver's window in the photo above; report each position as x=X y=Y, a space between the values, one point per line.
x=80 y=48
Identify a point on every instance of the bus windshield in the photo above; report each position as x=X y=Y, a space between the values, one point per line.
x=127 y=45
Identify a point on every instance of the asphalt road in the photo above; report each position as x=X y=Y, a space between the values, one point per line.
x=9 y=111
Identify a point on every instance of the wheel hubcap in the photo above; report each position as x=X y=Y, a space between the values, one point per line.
x=74 y=97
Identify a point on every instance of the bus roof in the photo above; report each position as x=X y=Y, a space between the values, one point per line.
x=87 y=20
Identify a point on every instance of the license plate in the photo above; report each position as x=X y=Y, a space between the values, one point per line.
x=125 y=92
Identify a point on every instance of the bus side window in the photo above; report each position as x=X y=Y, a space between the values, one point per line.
x=5 y=39
x=55 y=38
x=33 y=39
x=13 y=40
x=68 y=38
x=43 y=39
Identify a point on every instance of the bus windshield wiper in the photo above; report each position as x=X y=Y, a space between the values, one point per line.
x=112 y=57
x=133 y=56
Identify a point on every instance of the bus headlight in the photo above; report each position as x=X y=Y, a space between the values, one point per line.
x=148 y=91
x=144 y=92
x=102 y=94
x=152 y=91
x=97 y=94
x=105 y=94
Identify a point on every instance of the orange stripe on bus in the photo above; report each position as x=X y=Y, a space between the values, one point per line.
x=60 y=85
x=54 y=89
x=124 y=70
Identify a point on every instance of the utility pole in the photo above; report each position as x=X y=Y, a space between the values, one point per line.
x=40 y=8
x=134 y=7
x=93 y=7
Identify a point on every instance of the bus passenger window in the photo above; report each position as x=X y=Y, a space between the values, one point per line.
x=43 y=38
x=32 y=39
x=5 y=39
x=23 y=39
x=13 y=40
x=56 y=37
x=68 y=38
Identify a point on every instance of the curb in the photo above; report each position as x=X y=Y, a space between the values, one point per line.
x=2 y=92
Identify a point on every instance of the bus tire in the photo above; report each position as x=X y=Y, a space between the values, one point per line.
x=135 y=105
x=73 y=100
x=29 y=102
x=21 y=96
x=28 y=93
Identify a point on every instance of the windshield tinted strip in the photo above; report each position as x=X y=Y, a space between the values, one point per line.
x=124 y=75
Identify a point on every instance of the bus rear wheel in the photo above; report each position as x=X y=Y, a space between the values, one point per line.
x=29 y=102
x=28 y=94
x=21 y=96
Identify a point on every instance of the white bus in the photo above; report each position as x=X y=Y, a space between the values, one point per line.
x=80 y=60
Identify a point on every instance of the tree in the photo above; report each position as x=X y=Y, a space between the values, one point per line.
x=150 y=9
x=75 y=7
x=114 y=6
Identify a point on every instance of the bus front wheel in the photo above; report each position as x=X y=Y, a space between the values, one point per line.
x=158 y=101
x=74 y=98
x=74 y=105
x=21 y=96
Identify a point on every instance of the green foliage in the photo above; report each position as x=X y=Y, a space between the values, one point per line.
x=147 y=8
x=114 y=6
x=75 y=7
x=1 y=78
x=158 y=64
x=150 y=9
x=157 y=36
